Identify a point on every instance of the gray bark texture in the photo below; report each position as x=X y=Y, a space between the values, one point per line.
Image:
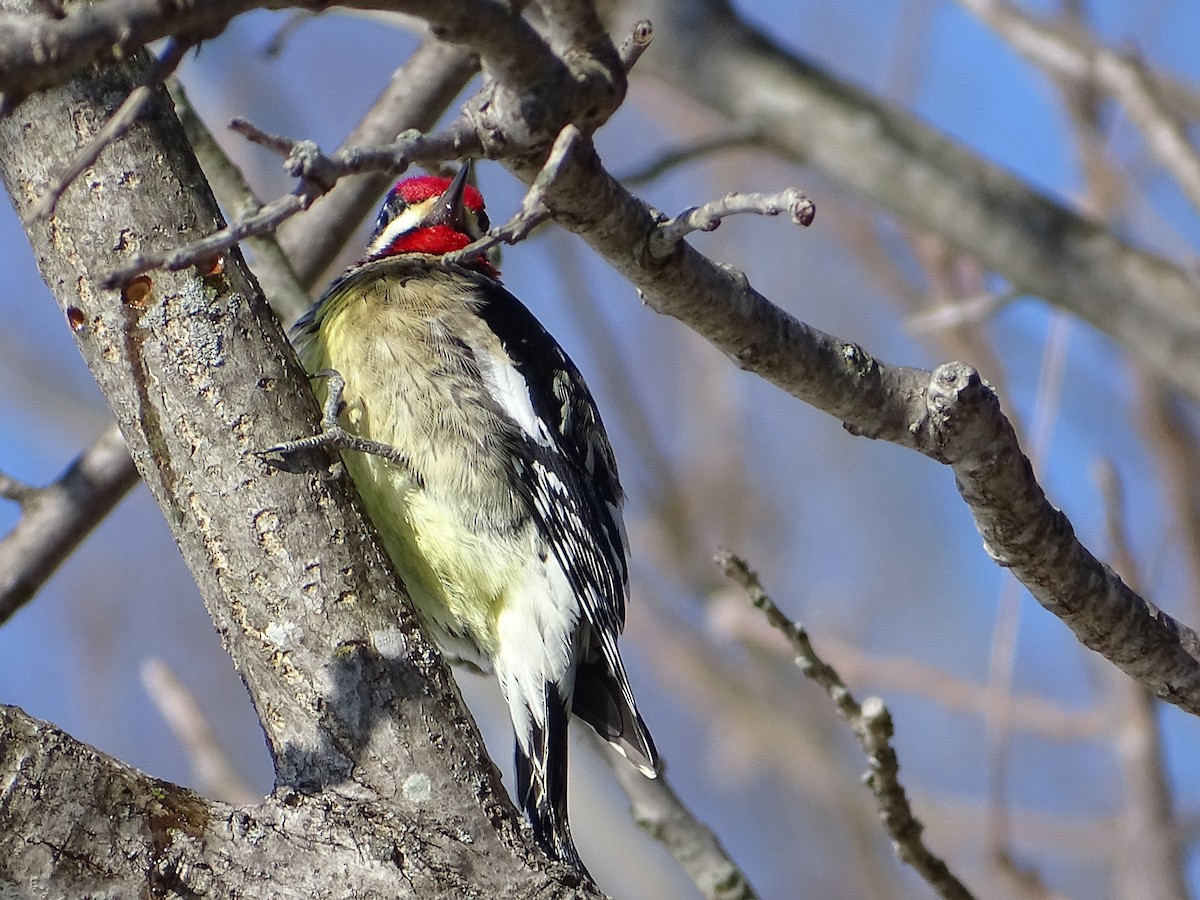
x=383 y=786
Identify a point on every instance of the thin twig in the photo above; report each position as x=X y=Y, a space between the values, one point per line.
x=730 y=619
x=118 y=124
x=212 y=771
x=1177 y=449
x=709 y=216
x=1002 y=655
x=872 y=725
x=741 y=137
x=17 y=491
x=533 y=211
x=271 y=266
x=961 y=313
x=296 y=18
x=1149 y=860
x=415 y=98
x=636 y=44
x=317 y=173
x=262 y=222
x=1124 y=77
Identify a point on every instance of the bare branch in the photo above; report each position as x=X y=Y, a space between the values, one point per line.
x=923 y=178
x=1175 y=447
x=90 y=825
x=575 y=30
x=637 y=43
x=872 y=725
x=950 y=415
x=38 y=51
x=1167 y=138
x=662 y=814
x=709 y=216
x=212 y=770
x=1029 y=712
x=271 y=266
x=317 y=173
x=274 y=47
x=55 y=519
x=1124 y=77
x=533 y=211
x=17 y=491
x=265 y=221
x=1149 y=863
x=959 y=314
x=417 y=94
x=730 y=140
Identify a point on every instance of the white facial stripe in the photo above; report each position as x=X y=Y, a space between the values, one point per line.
x=409 y=219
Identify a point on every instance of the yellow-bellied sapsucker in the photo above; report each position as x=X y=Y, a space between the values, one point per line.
x=499 y=502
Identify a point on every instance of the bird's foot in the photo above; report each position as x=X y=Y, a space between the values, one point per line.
x=294 y=455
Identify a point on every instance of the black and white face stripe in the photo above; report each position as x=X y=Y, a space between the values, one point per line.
x=428 y=202
x=396 y=219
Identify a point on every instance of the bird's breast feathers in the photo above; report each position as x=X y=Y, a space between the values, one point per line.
x=508 y=467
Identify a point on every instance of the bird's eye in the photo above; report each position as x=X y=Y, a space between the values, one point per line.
x=391 y=207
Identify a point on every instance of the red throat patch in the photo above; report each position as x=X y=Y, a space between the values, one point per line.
x=436 y=239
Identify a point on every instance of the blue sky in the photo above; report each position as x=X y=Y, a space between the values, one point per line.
x=867 y=543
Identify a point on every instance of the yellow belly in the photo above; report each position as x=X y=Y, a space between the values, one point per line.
x=459 y=537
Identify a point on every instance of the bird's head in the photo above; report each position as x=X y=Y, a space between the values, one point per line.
x=430 y=215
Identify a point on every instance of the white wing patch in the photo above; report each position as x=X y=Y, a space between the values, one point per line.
x=510 y=390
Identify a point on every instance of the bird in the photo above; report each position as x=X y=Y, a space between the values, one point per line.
x=486 y=469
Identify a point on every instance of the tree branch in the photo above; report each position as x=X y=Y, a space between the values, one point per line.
x=39 y=50
x=949 y=414
x=1149 y=305
x=55 y=519
x=361 y=717
x=92 y=826
x=872 y=725
x=418 y=93
x=1063 y=55
x=1149 y=862
x=707 y=217
x=116 y=126
x=660 y=812
x=212 y=770
x=284 y=290
x=317 y=172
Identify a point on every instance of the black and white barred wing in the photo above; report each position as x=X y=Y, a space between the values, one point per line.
x=565 y=468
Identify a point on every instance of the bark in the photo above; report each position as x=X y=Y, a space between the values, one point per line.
x=80 y=824
x=369 y=739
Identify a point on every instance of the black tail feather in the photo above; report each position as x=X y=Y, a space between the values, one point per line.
x=542 y=782
x=603 y=699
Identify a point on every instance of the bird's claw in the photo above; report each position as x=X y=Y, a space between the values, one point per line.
x=331 y=437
